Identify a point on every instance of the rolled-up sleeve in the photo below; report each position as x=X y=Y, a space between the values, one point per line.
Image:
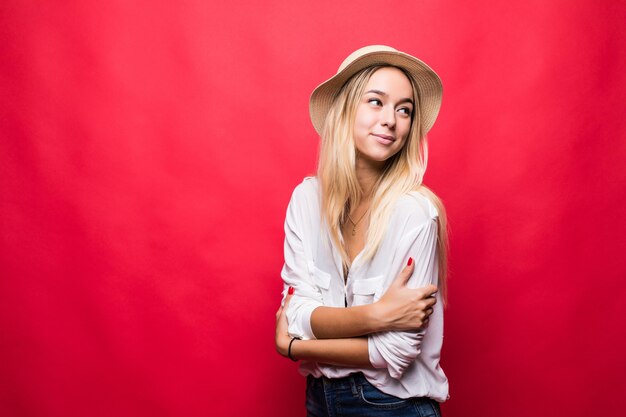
x=298 y=265
x=397 y=350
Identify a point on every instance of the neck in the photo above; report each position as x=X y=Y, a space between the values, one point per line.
x=367 y=173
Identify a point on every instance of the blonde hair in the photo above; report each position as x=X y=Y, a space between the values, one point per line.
x=403 y=173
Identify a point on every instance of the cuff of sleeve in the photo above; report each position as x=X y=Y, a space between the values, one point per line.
x=303 y=329
x=376 y=358
x=306 y=322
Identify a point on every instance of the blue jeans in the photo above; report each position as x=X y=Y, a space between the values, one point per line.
x=354 y=396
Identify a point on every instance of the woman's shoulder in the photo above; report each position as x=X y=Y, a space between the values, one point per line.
x=307 y=190
x=307 y=186
x=419 y=205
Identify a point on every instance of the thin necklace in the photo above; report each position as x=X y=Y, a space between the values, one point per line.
x=354 y=224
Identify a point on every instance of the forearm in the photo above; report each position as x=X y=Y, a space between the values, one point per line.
x=338 y=323
x=400 y=308
x=352 y=352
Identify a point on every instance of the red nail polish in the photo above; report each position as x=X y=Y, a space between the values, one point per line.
x=291 y=290
x=410 y=262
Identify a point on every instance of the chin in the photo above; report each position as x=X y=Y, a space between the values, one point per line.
x=382 y=156
x=377 y=158
x=378 y=155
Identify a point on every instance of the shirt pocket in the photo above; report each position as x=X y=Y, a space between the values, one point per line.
x=364 y=290
x=322 y=280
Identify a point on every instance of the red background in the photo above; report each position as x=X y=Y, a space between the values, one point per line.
x=149 y=149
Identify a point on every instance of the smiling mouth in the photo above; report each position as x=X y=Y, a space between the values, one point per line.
x=386 y=139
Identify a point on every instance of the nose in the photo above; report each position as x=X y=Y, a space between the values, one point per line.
x=388 y=117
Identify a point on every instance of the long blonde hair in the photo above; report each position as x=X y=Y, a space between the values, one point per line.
x=402 y=173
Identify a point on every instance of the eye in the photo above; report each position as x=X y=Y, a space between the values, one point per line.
x=405 y=110
x=375 y=101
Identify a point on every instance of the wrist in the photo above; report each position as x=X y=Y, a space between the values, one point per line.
x=375 y=317
x=290 y=350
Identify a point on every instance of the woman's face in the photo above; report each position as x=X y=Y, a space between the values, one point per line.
x=383 y=115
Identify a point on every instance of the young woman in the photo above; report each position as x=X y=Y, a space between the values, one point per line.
x=365 y=246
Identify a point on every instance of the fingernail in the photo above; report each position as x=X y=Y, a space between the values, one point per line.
x=410 y=262
x=291 y=290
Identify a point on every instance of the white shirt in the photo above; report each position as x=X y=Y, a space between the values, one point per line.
x=406 y=363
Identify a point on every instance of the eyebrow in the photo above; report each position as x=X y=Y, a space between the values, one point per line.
x=382 y=93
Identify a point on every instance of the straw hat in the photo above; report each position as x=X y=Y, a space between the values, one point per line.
x=427 y=81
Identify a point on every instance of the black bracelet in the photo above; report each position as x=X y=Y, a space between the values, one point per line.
x=289 y=350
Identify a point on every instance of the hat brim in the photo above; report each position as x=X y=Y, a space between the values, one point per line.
x=427 y=81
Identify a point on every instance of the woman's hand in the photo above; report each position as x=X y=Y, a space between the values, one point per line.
x=282 y=334
x=403 y=308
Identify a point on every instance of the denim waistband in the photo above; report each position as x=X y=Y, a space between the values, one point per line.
x=353 y=395
x=350 y=382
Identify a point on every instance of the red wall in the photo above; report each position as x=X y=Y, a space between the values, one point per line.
x=148 y=151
